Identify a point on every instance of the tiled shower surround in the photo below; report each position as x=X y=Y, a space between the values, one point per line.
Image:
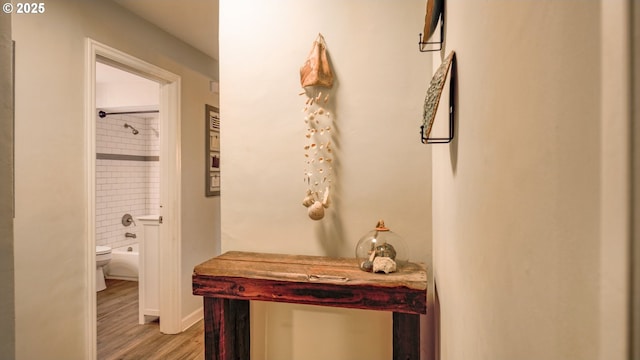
x=127 y=175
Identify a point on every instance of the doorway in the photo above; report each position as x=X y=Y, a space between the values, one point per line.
x=169 y=188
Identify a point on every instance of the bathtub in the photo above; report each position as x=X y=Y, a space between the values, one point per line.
x=124 y=263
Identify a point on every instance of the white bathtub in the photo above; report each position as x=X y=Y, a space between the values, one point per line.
x=124 y=263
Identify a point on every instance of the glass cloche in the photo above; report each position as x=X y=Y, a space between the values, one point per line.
x=381 y=250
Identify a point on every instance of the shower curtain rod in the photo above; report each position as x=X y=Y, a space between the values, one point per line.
x=104 y=114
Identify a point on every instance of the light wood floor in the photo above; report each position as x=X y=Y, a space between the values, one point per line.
x=120 y=337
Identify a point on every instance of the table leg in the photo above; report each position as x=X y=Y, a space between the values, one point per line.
x=226 y=329
x=406 y=336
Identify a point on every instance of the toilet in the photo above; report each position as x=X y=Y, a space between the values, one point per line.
x=103 y=256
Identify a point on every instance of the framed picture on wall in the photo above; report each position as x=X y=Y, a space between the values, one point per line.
x=214 y=161
x=214 y=140
x=214 y=181
x=212 y=150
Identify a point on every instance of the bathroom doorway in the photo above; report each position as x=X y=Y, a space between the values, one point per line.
x=127 y=192
x=128 y=129
x=127 y=164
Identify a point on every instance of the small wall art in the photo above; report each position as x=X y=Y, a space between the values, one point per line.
x=432 y=100
x=212 y=150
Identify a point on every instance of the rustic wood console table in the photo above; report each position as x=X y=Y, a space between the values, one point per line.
x=228 y=282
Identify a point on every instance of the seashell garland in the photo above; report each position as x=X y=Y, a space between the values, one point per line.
x=308 y=200
x=318 y=152
x=326 y=200
x=316 y=211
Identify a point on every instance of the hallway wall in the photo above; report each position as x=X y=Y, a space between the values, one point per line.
x=381 y=170
x=529 y=200
x=7 y=309
x=50 y=228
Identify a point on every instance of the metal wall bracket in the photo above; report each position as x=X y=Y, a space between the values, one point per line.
x=433 y=45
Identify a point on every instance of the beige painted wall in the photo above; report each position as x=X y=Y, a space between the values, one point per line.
x=7 y=309
x=615 y=180
x=50 y=245
x=520 y=195
x=635 y=108
x=383 y=169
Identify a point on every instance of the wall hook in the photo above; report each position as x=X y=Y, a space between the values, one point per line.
x=434 y=45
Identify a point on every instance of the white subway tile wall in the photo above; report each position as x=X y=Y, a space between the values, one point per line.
x=125 y=186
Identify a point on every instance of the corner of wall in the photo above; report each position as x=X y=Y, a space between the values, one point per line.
x=7 y=312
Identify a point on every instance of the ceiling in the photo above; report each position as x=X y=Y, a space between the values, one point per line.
x=193 y=21
x=106 y=74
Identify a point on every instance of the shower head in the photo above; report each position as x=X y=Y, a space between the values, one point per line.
x=133 y=130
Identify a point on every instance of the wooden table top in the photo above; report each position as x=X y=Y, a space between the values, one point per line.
x=316 y=280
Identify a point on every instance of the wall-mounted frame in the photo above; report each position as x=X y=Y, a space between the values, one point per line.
x=214 y=181
x=212 y=150
x=432 y=99
x=214 y=161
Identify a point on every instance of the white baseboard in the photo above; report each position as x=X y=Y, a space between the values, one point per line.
x=127 y=278
x=192 y=318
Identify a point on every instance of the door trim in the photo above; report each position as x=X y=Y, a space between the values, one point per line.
x=170 y=185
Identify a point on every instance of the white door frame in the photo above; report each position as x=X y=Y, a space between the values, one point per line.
x=170 y=194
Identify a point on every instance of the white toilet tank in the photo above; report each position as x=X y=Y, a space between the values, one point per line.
x=103 y=253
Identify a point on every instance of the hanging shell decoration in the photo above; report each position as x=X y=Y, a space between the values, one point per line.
x=309 y=199
x=316 y=211
x=316 y=79
x=318 y=152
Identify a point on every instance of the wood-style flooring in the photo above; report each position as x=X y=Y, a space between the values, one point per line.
x=121 y=338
